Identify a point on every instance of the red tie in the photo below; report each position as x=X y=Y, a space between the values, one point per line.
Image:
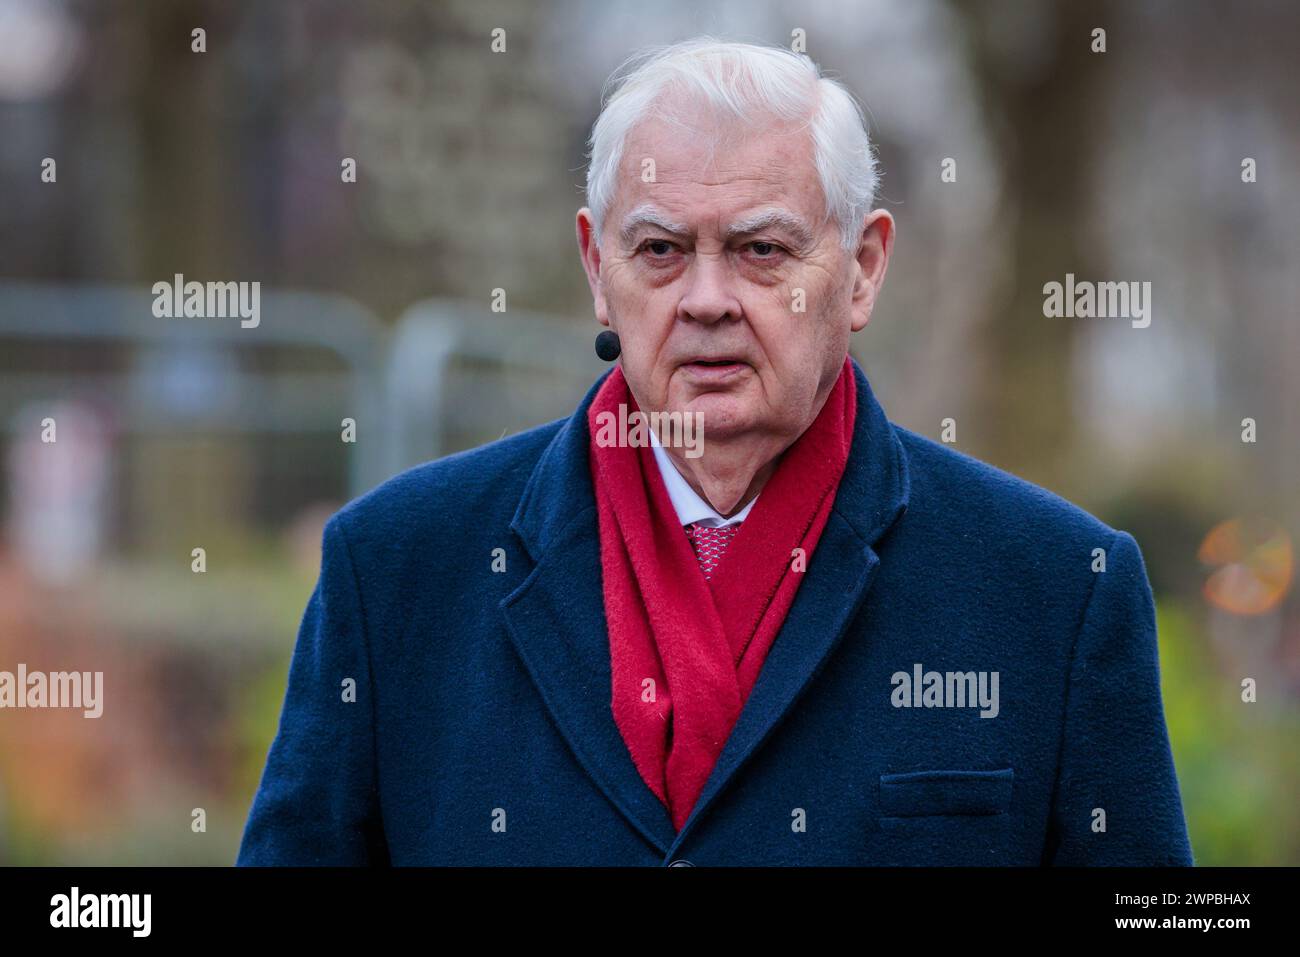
x=710 y=544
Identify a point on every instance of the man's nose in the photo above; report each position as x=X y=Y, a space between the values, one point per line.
x=709 y=295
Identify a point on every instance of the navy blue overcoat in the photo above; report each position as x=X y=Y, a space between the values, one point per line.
x=957 y=683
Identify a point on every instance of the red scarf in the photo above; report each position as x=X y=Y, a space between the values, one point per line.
x=700 y=642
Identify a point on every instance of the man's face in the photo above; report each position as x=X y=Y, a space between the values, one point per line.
x=724 y=279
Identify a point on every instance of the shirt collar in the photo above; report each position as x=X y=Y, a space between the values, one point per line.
x=690 y=508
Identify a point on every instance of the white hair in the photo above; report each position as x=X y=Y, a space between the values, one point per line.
x=743 y=81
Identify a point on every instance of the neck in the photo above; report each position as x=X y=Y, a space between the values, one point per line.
x=729 y=475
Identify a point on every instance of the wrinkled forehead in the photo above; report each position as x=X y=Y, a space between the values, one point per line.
x=697 y=164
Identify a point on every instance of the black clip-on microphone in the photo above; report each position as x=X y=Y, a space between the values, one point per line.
x=607 y=345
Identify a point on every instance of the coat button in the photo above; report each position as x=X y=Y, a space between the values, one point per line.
x=682 y=863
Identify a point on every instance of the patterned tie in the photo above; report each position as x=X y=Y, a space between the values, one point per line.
x=710 y=544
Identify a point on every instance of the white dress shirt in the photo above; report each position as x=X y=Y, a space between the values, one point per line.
x=690 y=508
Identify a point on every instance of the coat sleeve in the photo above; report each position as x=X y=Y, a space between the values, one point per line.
x=317 y=803
x=1115 y=755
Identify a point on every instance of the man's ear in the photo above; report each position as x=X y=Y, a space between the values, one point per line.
x=589 y=250
x=874 y=247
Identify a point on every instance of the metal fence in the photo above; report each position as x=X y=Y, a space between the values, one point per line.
x=445 y=376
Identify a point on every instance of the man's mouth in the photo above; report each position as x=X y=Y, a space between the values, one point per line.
x=714 y=369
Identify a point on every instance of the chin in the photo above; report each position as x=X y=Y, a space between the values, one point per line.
x=724 y=413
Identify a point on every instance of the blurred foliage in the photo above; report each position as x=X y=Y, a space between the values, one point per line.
x=1238 y=764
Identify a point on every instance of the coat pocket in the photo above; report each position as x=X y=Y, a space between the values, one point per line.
x=945 y=793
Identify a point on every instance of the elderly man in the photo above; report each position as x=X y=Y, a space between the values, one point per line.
x=812 y=637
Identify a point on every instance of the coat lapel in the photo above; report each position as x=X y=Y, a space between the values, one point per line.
x=556 y=617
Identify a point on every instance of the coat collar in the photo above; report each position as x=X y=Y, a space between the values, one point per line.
x=556 y=616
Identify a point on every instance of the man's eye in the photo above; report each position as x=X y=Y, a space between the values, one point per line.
x=658 y=247
x=765 y=250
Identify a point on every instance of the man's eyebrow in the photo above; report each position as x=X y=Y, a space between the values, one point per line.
x=648 y=216
x=774 y=218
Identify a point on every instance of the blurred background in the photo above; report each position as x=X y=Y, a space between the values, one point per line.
x=376 y=307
